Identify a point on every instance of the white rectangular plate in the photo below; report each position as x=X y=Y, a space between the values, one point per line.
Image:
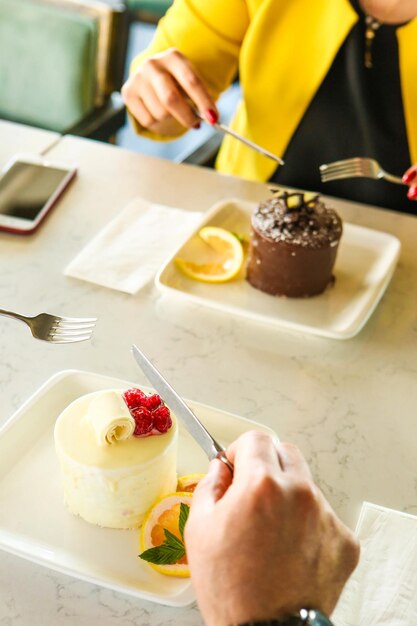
x=365 y=263
x=34 y=523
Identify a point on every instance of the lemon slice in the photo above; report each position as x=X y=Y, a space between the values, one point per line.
x=165 y=514
x=229 y=250
x=189 y=482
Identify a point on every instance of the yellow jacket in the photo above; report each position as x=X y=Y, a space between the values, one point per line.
x=283 y=49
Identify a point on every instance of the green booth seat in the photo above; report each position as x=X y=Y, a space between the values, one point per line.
x=49 y=65
x=149 y=10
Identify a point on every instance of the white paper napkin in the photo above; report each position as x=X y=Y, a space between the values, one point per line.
x=128 y=252
x=383 y=589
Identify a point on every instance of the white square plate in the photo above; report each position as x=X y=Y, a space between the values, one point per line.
x=34 y=523
x=365 y=263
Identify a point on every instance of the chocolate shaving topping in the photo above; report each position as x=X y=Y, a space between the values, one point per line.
x=298 y=218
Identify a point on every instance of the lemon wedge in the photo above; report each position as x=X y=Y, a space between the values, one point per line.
x=189 y=482
x=165 y=516
x=230 y=257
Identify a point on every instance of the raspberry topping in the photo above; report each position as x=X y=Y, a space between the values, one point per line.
x=152 y=402
x=144 y=421
x=134 y=398
x=151 y=415
x=162 y=419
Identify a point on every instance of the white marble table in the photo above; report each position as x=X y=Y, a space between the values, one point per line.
x=350 y=405
x=16 y=138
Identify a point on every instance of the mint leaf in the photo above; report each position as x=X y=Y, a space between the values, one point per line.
x=163 y=554
x=184 y=512
x=172 y=541
x=240 y=237
x=168 y=553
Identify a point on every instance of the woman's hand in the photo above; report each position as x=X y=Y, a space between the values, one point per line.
x=391 y=11
x=265 y=542
x=160 y=95
x=410 y=178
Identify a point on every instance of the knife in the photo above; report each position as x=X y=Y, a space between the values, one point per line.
x=226 y=130
x=196 y=429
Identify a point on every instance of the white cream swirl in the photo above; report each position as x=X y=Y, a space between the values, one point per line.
x=110 y=419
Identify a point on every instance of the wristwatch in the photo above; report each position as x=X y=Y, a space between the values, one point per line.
x=303 y=617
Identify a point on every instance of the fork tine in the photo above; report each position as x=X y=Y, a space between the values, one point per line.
x=348 y=167
x=70 y=333
x=338 y=175
x=69 y=340
x=73 y=325
x=341 y=162
x=326 y=179
x=338 y=168
x=75 y=319
x=342 y=173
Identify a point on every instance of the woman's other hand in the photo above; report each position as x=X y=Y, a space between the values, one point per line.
x=161 y=93
x=410 y=179
x=265 y=542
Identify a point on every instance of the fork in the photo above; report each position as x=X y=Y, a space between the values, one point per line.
x=56 y=329
x=358 y=166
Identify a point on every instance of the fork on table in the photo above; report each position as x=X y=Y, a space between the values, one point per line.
x=358 y=166
x=57 y=329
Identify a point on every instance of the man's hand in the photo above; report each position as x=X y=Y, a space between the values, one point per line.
x=410 y=178
x=265 y=542
x=160 y=93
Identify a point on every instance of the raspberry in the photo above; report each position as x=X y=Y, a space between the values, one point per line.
x=162 y=419
x=134 y=398
x=152 y=402
x=144 y=421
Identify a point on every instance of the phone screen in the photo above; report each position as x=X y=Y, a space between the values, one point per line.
x=26 y=187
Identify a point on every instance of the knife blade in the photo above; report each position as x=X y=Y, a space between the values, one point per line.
x=226 y=130
x=196 y=429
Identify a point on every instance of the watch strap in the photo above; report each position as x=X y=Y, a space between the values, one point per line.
x=303 y=617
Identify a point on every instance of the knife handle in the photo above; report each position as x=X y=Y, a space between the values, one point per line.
x=221 y=455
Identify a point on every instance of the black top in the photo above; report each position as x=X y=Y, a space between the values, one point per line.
x=357 y=111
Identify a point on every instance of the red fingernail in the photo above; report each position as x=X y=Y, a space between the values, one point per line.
x=412 y=193
x=211 y=116
x=408 y=176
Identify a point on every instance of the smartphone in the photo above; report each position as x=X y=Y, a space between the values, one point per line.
x=29 y=187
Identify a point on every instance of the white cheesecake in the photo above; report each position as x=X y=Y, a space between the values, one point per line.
x=111 y=477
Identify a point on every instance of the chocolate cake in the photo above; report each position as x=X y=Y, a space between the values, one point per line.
x=293 y=247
